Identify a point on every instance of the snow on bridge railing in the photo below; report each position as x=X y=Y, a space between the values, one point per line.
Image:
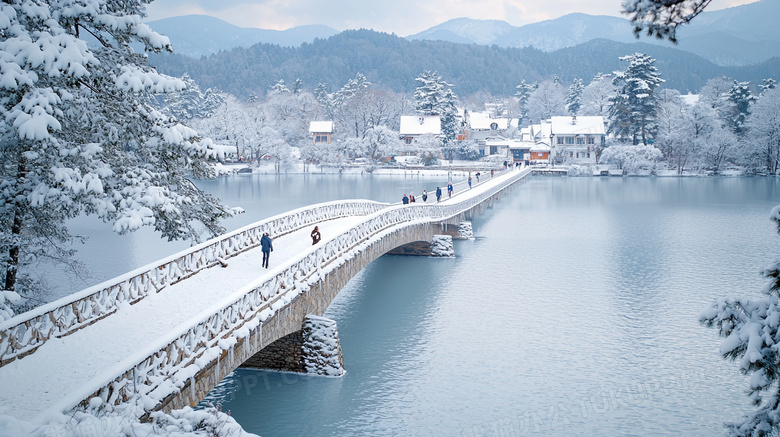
x=178 y=356
x=26 y=332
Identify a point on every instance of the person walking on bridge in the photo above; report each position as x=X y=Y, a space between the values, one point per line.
x=266 y=245
x=425 y=195
x=438 y=194
x=405 y=200
x=449 y=189
x=315 y=236
x=469 y=181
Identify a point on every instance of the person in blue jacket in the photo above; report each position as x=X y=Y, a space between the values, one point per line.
x=405 y=199
x=438 y=194
x=266 y=245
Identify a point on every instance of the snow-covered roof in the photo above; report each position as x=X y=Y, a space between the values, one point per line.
x=321 y=127
x=690 y=99
x=540 y=147
x=420 y=125
x=482 y=121
x=498 y=141
x=593 y=125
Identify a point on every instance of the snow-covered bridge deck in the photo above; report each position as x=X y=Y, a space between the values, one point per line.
x=149 y=332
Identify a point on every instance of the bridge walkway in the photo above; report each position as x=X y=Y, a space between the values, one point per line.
x=65 y=368
x=64 y=371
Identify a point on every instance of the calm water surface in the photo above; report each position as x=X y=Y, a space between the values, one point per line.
x=573 y=313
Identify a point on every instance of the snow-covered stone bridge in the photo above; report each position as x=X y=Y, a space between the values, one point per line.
x=167 y=333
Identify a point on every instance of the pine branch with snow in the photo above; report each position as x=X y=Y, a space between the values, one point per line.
x=79 y=135
x=751 y=331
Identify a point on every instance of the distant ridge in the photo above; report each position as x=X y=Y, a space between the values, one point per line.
x=203 y=35
x=741 y=35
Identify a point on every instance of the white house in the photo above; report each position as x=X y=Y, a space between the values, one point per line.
x=321 y=132
x=576 y=139
x=415 y=126
x=494 y=146
x=480 y=126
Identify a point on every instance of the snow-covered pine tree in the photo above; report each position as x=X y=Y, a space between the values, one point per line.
x=751 y=330
x=279 y=87
x=632 y=112
x=434 y=97
x=574 y=96
x=297 y=86
x=191 y=102
x=429 y=97
x=741 y=98
x=767 y=84
x=522 y=94
x=78 y=135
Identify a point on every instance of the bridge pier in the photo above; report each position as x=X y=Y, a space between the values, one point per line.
x=315 y=349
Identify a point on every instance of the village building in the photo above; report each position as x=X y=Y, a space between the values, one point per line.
x=576 y=140
x=415 y=127
x=321 y=132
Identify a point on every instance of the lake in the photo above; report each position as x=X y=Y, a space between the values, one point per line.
x=574 y=312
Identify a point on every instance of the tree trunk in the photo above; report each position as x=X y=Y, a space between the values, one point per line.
x=12 y=266
x=13 y=253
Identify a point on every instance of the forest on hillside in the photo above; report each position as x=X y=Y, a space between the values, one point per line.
x=392 y=63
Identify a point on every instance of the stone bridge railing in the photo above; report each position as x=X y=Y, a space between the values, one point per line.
x=26 y=332
x=180 y=355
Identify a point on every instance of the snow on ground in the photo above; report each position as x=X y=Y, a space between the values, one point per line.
x=73 y=366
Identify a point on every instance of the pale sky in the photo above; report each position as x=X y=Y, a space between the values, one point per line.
x=402 y=17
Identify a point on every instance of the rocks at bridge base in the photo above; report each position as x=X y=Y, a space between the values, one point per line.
x=314 y=349
x=465 y=232
x=441 y=245
x=321 y=347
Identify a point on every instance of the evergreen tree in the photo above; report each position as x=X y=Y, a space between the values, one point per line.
x=429 y=97
x=79 y=136
x=434 y=97
x=297 y=86
x=573 y=97
x=741 y=98
x=750 y=330
x=632 y=112
x=767 y=84
x=325 y=99
x=522 y=94
x=191 y=103
x=348 y=112
x=279 y=87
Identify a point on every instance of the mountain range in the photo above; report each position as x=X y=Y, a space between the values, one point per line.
x=741 y=35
